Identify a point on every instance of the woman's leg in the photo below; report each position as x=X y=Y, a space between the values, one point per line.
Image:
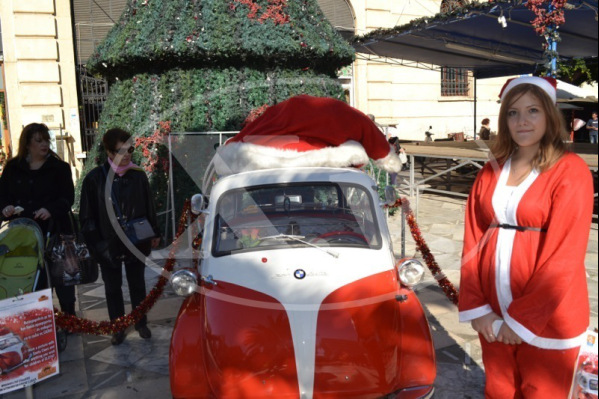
x=66 y=298
x=525 y=371
x=502 y=380
x=135 y=270
x=546 y=373
x=113 y=281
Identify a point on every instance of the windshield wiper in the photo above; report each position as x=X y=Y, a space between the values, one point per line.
x=300 y=239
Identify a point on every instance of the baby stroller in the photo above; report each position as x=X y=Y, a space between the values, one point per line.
x=22 y=264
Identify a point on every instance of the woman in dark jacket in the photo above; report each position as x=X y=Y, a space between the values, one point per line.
x=40 y=183
x=485 y=130
x=98 y=220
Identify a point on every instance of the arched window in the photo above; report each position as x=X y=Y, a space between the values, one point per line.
x=340 y=15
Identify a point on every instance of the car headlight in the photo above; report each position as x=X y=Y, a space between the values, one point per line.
x=410 y=272
x=184 y=282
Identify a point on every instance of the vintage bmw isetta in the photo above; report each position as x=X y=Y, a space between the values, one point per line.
x=14 y=352
x=298 y=294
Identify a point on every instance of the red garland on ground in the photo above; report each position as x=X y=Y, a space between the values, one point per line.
x=77 y=325
x=446 y=285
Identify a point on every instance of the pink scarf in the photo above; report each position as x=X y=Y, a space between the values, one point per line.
x=121 y=170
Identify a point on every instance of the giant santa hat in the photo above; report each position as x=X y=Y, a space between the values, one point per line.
x=306 y=131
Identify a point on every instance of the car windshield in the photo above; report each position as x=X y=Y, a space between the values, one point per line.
x=297 y=215
x=8 y=342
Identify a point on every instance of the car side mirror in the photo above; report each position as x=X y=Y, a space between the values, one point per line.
x=197 y=204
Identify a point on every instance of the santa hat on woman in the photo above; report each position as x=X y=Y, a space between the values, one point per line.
x=306 y=131
x=548 y=84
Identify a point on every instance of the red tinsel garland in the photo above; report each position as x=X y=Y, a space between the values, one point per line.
x=548 y=14
x=275 y=11
x=149 y=148
x=78 y=325
x=254 y=114
x=446 y=285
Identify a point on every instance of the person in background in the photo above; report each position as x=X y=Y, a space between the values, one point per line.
x=401 y=153
x=523 y=280
x=132 y=191
x=592 y=128
x=38 y=181
x=428 y=135
x=485 y=130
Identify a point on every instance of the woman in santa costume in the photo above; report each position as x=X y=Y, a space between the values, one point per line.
x=523 y=281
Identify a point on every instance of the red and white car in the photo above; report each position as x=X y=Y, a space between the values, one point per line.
x=13 y=351
x=586 y=381
x=298 y=294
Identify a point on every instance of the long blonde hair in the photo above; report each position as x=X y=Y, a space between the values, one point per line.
x=552 y=145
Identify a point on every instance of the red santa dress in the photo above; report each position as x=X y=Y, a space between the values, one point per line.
x=533 y=277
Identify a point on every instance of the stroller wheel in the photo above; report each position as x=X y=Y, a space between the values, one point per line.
x=61 y=339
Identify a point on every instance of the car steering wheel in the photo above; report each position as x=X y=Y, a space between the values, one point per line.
x=340 y=236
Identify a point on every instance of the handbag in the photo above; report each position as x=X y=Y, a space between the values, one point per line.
x=69 y=259
x=139 y=230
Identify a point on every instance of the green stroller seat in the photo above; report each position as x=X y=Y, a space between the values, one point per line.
x=21 y=257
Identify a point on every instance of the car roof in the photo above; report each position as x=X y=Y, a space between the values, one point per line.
x=291 y=175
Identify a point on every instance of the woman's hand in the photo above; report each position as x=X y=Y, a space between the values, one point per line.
x=484 y=326
x=42 y=214
x=8 y=211
x=507 y=336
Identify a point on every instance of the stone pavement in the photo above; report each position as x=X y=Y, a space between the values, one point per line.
x=91 y=367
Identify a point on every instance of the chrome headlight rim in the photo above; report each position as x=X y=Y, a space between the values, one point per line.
x=410 y=272
x=184 y=282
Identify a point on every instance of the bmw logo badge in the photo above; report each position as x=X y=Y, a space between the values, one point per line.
x=299 y=274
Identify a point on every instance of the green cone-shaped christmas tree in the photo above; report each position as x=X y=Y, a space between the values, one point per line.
x=205 y=65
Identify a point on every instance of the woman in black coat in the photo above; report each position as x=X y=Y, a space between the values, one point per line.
x=131 y=189
x=485 y=130
x=40 y=183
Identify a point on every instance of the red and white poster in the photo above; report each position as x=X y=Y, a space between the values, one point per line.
x=28 y=351
x=584 y=385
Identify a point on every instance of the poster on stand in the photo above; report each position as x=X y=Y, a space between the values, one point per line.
x=584 y=384
x=28 y=351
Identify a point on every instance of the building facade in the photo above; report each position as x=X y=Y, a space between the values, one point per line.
x=412 y=99
x=39 y=83
x=46 y=43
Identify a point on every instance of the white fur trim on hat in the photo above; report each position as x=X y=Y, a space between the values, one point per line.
x=391 y=163
x=543 y=83
x=239 y=157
